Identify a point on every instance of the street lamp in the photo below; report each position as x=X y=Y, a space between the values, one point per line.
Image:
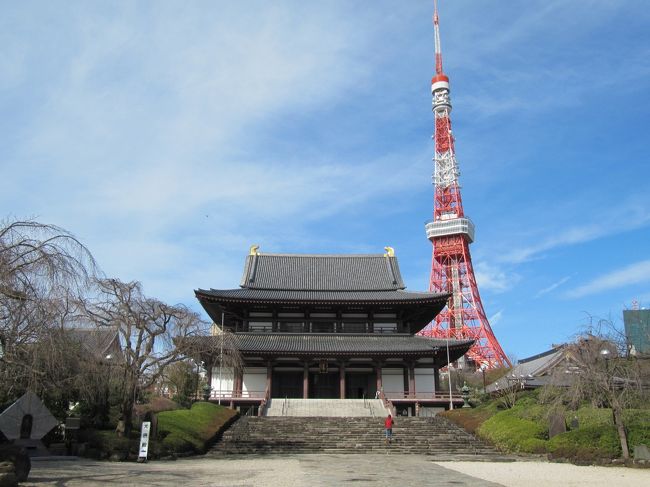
x=604 y=353
x=221 y=354
x=451 y=403
x=484 y=366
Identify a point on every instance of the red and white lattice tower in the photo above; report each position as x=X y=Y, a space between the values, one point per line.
x=451 y=232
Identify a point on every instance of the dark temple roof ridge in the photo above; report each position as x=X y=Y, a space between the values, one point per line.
x=322 y=272
x=333 y=344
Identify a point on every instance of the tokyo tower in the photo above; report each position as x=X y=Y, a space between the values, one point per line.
x=451 y=232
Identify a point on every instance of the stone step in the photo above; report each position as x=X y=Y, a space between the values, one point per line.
x=281 y=434
x=325 y=408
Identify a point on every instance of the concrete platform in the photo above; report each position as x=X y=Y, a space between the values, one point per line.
x=328 y=470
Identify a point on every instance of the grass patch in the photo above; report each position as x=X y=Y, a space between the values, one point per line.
x=524 y=428
x=509 y=431
x=586 y=444
x=468 y=419
x=589 y=417
x=471 y=419
x=638 y=427
x=191 y=431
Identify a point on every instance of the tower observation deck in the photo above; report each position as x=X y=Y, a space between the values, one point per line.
x=451 y=232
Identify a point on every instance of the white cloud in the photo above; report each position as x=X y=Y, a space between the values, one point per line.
x=637 y=273
x=496 y=317
x=148 y=140
x=629 y=215
x=538 y=33
x=552 y=287
x=493 y=278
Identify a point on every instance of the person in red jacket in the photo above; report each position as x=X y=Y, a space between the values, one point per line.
x=388 y=425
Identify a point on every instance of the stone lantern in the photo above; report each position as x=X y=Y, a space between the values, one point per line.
x=464 y=393
x=207 y=390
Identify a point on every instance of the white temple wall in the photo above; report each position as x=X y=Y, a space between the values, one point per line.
x=254 y=381
x=393 y=380
x=227 y=380
x=424 y=380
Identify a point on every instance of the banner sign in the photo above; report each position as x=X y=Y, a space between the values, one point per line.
x=144 y=441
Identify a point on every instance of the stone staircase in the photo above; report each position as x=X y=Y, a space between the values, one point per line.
x=333 y=408
x=281 y=434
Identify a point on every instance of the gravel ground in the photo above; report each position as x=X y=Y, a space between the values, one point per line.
x=543 y=474
x=328 y=470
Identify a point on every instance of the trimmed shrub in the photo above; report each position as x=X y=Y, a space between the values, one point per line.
x=534 y=445
x=176 y=443
x=509 y=432
x=191 y=431
x=156 y=405
x=586 y=444
x=468 y=419
x=638 y=427
x=524 y=428
x=103 y=444
x=589 y=416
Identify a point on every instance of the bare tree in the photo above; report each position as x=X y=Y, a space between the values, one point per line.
x=600 y=370
x=180 y=381
x=148 y=329
x=43 y=271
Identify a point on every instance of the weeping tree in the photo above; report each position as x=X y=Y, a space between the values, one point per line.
x=44 y=271
x=599 y=370
x=148 y=330
x=180 y=381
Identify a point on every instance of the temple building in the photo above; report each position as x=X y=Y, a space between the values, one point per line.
x=326 y=326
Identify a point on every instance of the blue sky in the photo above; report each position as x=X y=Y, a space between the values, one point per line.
x=170 y=136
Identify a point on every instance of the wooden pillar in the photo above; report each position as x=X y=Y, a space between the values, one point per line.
x=236 y=386
x=412 y=380
x=342 y=379
x=436 y=379
x=305 y=380
x=269 y=372
x=208 y=372
x=380 y=381
x=233 y=391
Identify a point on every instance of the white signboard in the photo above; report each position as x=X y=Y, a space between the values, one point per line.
x=144 y=441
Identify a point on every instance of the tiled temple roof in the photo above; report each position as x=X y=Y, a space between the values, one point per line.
x=375 y=272
x=324 y=345
x=281 y=295
x=325 y=281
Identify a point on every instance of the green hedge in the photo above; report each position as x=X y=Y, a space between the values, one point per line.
x=468 y=419
x=509 y=431
x=586 y=443
x=185 y=431
x=638 y=427
x=103 y=444
x=524 y=428
x=588 y=417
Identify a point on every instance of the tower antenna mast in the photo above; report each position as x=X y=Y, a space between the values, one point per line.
x=436 y=30
x=451 y=232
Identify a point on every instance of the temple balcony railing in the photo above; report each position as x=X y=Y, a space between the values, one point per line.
x=234 y=394
x=437 y=395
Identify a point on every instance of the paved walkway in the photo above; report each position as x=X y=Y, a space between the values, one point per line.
x=329 y=470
